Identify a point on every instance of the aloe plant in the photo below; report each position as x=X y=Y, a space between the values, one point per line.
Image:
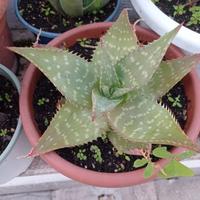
x=116 y=93
x=77 y=7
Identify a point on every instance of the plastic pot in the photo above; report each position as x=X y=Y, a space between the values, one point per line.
x=158 y=21
x=10 y=164
x=46 y=37
x=6 y=57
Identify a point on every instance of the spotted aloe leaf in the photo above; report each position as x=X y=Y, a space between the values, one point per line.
x=73 y=76
x=124 y=145
x=118 y=42
x=102 y=104
x=71 y=126
x=139 y=66
x=143 y=120
x=169 y=73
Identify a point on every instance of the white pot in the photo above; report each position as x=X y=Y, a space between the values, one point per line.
x=186 y=39
x=10 y=163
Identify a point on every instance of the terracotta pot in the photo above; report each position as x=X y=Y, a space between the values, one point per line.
x=32 y=75
x=6 y=56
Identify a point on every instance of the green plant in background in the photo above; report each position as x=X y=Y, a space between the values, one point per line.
x=114 y=94
x=179 y=10
x=97 y=153
x=3 y=132
x=174 y=100
x=81 y=154
x=77 y=7
x=173 y=169
x=195 y=18
x=47 y=11
x=42 y=101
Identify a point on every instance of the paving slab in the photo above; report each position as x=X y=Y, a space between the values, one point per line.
x=181 y=188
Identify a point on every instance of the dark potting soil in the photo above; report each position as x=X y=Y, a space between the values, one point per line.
x=45 y=101
x=41 y=14
x=9 y=112
x=167 y=6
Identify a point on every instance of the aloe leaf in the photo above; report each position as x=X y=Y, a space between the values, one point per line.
x=56 y=5
x=148 y=171
x=140 y=162
x=139 y=66
x=92 y=5
x=73 y=76
x=124 y=145
x=169 y=73
x=70 y=127
x=176 y=169
x=119 y=40
x=142 y=120
x=102 y=104
x=72 y=8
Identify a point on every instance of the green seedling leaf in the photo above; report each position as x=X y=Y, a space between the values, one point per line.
x=175 y=169
x=119 y=40
x=140 y=162
x=102 y=104
x=71 y=126
x=138 y=67
x=148 y=171
x=161 y=152
x=145 y=121
x=72 y=8
x=124 y=145
x=169 y=73
x=73 y=76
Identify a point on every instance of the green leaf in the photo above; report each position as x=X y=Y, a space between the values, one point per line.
x=56 y=5
x=138 y=67
x=161 y=152
x=73 y=76
x=71 y=126
x=185 y=155
x=148 y=171
x=113 y=46
x=140 y=162
x=72 y=8
x=102 y=104
x=92 y=5
x=124 y=145
x=169 y=73
x=142 y=120
x=176 y=169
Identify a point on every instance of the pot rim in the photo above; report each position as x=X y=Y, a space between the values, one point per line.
x=102 y=179
x=4 y=71
x=186 y=39
x=53 y=34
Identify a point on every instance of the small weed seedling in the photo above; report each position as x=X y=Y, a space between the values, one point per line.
x=42 y=101
x=47 y=11
x=179 y=10
x=97 y=153
x=81 y=154
x=3 y=132
x=174 y=100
